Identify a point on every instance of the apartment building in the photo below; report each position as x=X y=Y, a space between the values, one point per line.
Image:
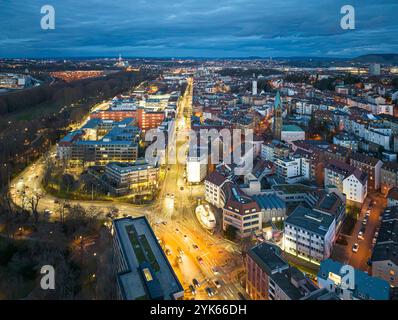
x=385 y=252
x=309 y=234
x=213 y=188
x=292 y=169
x=370 y=165
x=270 y=277
x=388 y=176
x=240 y=211
x=349 y=180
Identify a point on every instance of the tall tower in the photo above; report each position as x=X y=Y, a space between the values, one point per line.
x=254 y=88
x=278 y=122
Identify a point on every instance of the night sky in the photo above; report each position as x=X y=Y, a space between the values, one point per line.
x=197 y=28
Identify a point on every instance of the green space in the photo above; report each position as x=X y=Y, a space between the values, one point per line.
x=142 y=249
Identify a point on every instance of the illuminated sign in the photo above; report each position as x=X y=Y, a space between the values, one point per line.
x=335 y=278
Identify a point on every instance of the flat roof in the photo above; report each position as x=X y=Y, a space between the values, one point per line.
x=141 y=250
x=310 y=220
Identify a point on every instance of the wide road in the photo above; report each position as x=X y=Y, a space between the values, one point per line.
x=206 y=257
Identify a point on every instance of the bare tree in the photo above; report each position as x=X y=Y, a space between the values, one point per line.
x=33 y=203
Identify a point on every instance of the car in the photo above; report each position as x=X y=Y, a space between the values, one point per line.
x=196 y=283
x=177 y=230
x=164 y=222
x=168 y=252
x=365 y=221
x=367 y=214
x=195 y=246
x=200 y=260
x=192 y=289
x=360 y=235
x=215 y=271
x=355 y=247
x=209 y=291
x=217 y=283
x=374 y=240
x=181 y=188
x=376 y=234
x=179 y=259
x=180 y=251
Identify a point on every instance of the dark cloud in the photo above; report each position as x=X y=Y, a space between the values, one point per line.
x=197 y=28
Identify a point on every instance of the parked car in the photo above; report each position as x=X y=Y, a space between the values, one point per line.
x=168 y=252
x=210 y=291
x=365 y=221
x=355 y=247
x=192 y=289
x=374 y=240
x=196 y=283
x=180 y=251
x=195 y=246
x=200 y=260
x=360 y=235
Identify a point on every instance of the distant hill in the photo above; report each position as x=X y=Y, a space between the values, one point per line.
x=384 y=58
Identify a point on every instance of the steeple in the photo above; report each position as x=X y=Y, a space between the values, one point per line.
x=277 y=103
x=277 y=121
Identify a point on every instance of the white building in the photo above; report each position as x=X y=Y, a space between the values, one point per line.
x=292 y=169
x=254 y=89
x=292 y=133
x=197 y=166
x=309 y=234
x=349 y=180
x=213 y=189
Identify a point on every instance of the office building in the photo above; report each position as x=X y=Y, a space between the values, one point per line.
x=143 y=271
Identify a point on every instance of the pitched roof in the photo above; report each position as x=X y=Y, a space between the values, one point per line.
x=216 y=178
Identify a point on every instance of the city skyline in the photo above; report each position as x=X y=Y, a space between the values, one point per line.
x=188 y=29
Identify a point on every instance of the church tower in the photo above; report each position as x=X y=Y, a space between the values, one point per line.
x=278 y=122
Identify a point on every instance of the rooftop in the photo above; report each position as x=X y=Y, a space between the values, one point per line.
x=149 y=273
x=366 y=287
x=267 y=256
x=291 y=128
x=310 y=220
x=269 y=201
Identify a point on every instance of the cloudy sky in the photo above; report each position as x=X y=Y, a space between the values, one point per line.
x=197 y=28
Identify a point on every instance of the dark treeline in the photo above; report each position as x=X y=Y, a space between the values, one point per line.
x=23 y=141
x=61 y=93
